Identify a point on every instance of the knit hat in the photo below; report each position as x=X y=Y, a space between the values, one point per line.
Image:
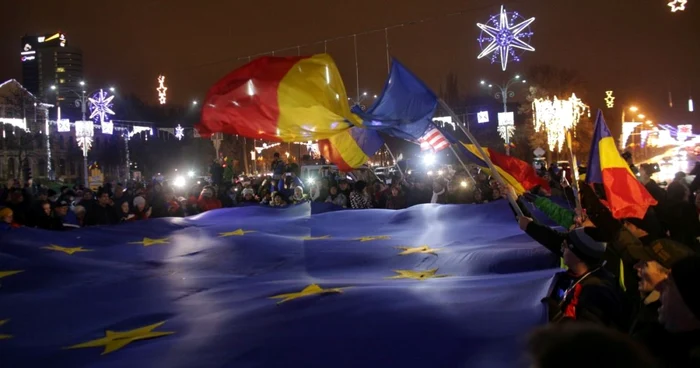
x=685 y=274
x=5 y=211
x=583 y=242
x=247 y=191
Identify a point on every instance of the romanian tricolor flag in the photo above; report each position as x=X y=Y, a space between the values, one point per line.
x=351 y=148
x=289 y=99
x=626 y=196
x=517 y=173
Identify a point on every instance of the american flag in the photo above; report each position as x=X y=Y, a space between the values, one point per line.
x=433 y=140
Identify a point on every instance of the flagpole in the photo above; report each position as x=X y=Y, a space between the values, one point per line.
x=463 y=165
x=394 y=159
x=486 y=158
x=574 y=174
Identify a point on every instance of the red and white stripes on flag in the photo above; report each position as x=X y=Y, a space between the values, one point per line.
x=433 y=140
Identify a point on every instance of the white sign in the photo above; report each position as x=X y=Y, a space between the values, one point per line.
x=506 y=119
x=539 y=152
x=63 y=125
x=482 y=117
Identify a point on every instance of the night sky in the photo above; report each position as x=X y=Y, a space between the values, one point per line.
x=637 y=48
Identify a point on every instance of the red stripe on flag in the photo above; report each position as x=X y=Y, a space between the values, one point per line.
x=434 y=140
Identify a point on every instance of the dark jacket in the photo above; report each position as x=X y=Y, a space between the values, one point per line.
x=593 y=297
x=98 y=215
x=646 y=328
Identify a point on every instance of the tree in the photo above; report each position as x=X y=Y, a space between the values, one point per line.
x=547 y=81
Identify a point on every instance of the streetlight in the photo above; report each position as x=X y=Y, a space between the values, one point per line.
x=503 y=94
x=194 y=102
x=641 y=116
x=360 y=99
x=111 y=89
x=82 y=83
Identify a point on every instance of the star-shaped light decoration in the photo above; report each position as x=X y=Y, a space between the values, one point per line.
x=315 y=237
x=609 y=99
x=4 y=336
x=115 y=340
x=161 y=89
x=239 y=232
x=312 y=289
x=9 y=273
x=677 y=5
x=417 y=275
x=101 y=107
x=147 y=242
x=179 y=132
x=425 y=249
x=371 y=238
x=503 y=38
x=66 y=250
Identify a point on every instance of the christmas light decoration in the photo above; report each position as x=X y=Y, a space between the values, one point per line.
x=161 y=89
x=84 y=132
x=627 y=129
x=691 y=107
x=179 y=132
x=101 y=107
x=506 y=132
x=107 y=127
x=556 y=117
x=15 y=122
x=501 y=37
x=677 y=5
x=609 y=99
x=266 y=146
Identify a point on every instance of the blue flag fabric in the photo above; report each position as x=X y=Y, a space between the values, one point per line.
x=268 y=287
x=404 y=109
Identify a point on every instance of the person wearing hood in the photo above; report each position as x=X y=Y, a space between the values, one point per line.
x=336 y=197
x=586 y=291
x=141 y=211
x=248 y=196
x=298 y=196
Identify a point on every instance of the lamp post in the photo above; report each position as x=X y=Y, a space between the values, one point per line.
x=360 y=99
x=84 y=130
x=503 y=93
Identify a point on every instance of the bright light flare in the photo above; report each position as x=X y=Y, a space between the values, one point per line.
x=190 y=173
x=179 y=182
x=556 y=117
x=428 y=159
x=463 y=184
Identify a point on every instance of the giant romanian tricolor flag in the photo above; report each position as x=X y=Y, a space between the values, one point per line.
x=289 y=99
x=626 y=196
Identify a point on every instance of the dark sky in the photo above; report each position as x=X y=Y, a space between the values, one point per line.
x=637 y=48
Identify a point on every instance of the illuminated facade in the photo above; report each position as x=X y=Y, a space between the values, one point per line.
x=49 y=60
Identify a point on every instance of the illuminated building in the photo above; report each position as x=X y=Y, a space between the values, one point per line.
x=49 y=60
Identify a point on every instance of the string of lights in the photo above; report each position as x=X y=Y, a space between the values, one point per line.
x=324 y=42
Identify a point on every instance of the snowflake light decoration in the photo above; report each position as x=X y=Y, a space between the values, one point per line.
x=179 y=132
x=501 y=37
x=556 y=117
x=161 y=89
x=101 y=106
x=609 y=99
x=677 y=5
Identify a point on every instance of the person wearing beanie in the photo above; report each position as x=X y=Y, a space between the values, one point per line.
x=586 y=291
x=680 y=314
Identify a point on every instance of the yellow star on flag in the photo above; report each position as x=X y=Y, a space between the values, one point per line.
x=425 y=249
x=69 y=251
x=115 y=340
x=147 y=242
x=370 y=238
x=239 y=232
x=2 y=336
x=312 y=289
x=9 y=273
x=416 y=275
x=315 y=237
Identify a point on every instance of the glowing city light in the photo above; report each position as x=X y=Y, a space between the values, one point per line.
x=677 y=5
x=691 y=107
x=63 y=125
x=501 y=37
x=556 y=117
x=84 y=132
x=161 y=89
x=179 y=132
x=100 y=110
x=609 y=99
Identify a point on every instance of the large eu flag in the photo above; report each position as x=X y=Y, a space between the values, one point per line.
x=429 y=286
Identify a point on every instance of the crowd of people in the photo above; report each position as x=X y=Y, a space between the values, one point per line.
x=633 y=276
x=635 y=279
